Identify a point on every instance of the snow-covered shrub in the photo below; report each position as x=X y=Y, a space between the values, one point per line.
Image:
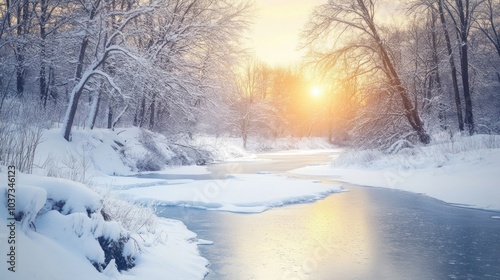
x=122 y=211
x=404 y=155
x=161 y=151
x=73 y=166
x=20 y=135
x=188 y=154
x=357 y=157
x=400 y=146
x=154 y=158
x=150 y=162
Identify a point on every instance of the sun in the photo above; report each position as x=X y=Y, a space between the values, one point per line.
x=316 y=91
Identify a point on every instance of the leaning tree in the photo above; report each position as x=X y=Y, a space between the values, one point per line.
x=349 y=28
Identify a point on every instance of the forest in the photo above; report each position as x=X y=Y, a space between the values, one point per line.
x=390 y=71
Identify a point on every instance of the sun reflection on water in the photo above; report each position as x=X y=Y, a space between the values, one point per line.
x=299 y=246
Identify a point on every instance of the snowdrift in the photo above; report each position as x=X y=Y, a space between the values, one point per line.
x=58 y=220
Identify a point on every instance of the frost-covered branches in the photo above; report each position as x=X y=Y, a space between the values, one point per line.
x=358 y=17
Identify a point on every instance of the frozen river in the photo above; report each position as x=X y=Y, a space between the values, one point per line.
x=366 y=233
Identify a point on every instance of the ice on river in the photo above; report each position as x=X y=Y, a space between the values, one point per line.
x=248 y=193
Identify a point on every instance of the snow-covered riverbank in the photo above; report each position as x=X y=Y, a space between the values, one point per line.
x=464 y=172
x=69 y=230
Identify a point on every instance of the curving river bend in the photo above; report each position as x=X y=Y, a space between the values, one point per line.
x=366 y=233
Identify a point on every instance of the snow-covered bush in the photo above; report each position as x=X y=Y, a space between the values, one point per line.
x=357 y=157
x=134 y=217
x=20 y=135
x=404 y=155
x=157 y=151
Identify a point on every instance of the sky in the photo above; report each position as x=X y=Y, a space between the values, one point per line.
x=278 y=23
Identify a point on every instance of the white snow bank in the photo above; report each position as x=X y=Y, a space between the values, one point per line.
x=73 y=196
x=170 y=253
x=238 y=193
x=467 y=178
x=60 y=226
x=90 y=152
x=184 y=170
x=304 y=152
x=55 y=229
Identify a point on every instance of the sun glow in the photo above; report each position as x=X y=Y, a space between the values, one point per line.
x=316 y=91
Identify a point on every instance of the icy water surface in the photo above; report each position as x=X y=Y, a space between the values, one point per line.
x=367 y=233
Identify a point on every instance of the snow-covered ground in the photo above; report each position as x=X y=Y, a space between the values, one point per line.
x=63 y=227
x=463 y=172
x=60 y=225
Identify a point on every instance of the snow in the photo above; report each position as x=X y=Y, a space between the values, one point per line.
x=60 y=220
x=465 y=178
x=248 y=193
x=171 y=253
x=76 y=196
x=185 y=170
x=305 y=152
x=56 y=238
x=91 y=152
x=39 y=257
x=52 y=244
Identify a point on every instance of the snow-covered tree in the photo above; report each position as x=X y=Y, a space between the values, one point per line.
x=367 y=43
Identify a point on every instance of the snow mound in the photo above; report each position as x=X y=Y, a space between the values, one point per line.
x=63 y=232
x=90 y=153
x=61 y=216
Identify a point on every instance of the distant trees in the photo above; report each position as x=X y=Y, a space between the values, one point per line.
x=437 y=56
x=250 y=104
x=272 y=102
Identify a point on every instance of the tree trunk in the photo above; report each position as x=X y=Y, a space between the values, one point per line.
x=22 y=22
x=78 y=87
x=152 y=113
x=70 y=113
x=43 y=82
x=20 y=72
x=464 y=65
x=410 y=110
x=118 y=118
x=435 y=75
x=142 y=111
x=110 y=116
x=453 y=68
x=94 y=109
x=74 y=98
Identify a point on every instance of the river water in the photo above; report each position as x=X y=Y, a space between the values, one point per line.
x=366 y=233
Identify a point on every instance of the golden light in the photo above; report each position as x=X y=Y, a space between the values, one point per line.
x=278 y=24
x=316 y=91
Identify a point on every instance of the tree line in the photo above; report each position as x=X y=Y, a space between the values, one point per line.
x=391 y=70
x=411 y=68
x=147 y=63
